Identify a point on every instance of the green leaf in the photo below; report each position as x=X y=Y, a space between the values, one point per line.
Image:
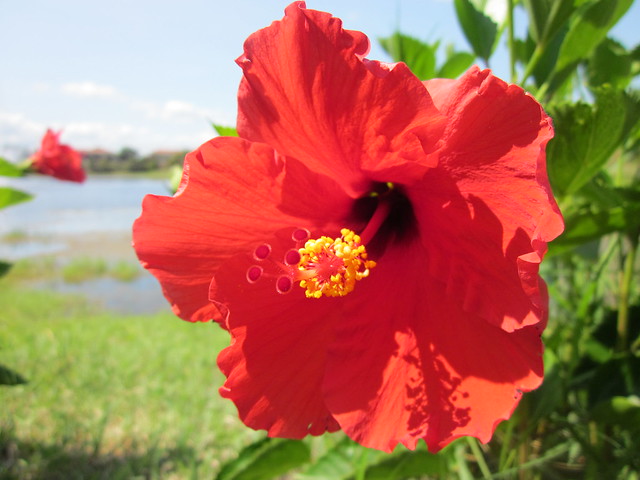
x=408 y=465
x=596 y=350
x=175 y=177
x=632 y=124
x=337 y=464
x=10 y=196
x=610 y=63
x=455 y=64
x=9 y=377
x=538 y=12
x=621 y=411
x=8 y=169
x=479 y=28
x=547 y=18
x=585 y=225
x=585 y=137
x=617 y=377
x=225 y=131
x=588 y=28
x=266 y=458
x=5 y=267
x=544 y=400
x=420 y=57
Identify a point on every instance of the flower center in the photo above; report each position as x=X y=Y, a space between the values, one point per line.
x=322 y=266
x=332 y=267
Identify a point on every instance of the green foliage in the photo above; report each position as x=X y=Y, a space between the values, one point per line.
x=481 y=30
x=129 y=160
x=225 y=131
x=421 y=57
x=8 y=169
x=9 y=377
x=266 y=458
x=455 y=64
x=610 y=63
x=4 y=267
x=588 y=28
x=586 y=137
x=547 y=17
x=10 y=196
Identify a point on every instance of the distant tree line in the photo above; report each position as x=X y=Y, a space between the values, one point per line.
x=128 y=160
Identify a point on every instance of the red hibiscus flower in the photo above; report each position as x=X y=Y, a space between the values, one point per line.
x=371 y=242
x=59 y=161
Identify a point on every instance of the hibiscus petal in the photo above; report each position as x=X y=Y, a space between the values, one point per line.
x=275 y=364
x=59 y=161
x=308 y=92
x=486 y=212
x=408 y=363
x=234 y=195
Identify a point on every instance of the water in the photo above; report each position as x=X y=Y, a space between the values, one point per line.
x=92 y=219
x=101 y=204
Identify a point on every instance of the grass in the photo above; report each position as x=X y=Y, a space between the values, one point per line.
x=33 y=268
x=76 y=270
x=15 y=236
x=81 y=269
x=125 y=271
x=110 y=396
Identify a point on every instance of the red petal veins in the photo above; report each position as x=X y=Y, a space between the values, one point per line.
x=408 y=363
x=308 y=92
x=486 y=212
x=233 y=196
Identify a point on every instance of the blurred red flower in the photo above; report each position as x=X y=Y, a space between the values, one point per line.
x=59 y=161
x=428 y=323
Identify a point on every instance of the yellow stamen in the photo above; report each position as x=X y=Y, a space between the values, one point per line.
x=332 y=267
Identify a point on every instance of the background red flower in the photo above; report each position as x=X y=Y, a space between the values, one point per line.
x=58 y=160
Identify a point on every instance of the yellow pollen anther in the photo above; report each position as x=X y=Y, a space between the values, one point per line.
x=332 y=267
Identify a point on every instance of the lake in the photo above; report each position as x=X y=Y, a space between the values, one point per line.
x=101 y=204
x=92 y=220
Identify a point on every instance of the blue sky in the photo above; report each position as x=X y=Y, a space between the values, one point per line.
x=150 y=74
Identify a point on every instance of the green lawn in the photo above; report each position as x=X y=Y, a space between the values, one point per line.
x=110 y=396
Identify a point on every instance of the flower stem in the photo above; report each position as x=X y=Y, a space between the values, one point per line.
x=479 y=456
x=532 y=64
x=511 y=41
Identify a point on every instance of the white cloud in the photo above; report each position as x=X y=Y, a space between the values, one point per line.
x=106 y=135
x=19 y=135
x=145 y=125
x=17 y=122
x=179 y=109
x=89 y=89
x=173 y=110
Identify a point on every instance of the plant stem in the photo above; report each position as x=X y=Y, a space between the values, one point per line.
x=532 y=64
x=477 y=453
x=625 y=293
x=511 y=41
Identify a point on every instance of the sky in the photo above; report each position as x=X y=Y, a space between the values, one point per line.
x=153 y=74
